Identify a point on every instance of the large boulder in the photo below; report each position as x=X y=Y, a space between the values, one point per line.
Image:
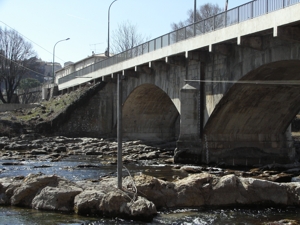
x=60 y=198
x=141 y=209
x=265 y=192
x=45 y=192
x=227 y=191
x=233 y=190
x=118 y=203
x=88 y=201
x=113 y=203
x=161 y=193
x=7 y=188
x=193 y=191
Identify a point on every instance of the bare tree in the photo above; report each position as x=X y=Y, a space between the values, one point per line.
x=126 y=37
x=16 y=56
x=206 y=11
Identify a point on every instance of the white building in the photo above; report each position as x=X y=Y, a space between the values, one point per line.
x=73 y=67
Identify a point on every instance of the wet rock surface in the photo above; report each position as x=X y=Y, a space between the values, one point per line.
x=41 y=148
x=141 y=195
x=55 y=148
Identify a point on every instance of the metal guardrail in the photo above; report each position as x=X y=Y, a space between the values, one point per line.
x=227 y=18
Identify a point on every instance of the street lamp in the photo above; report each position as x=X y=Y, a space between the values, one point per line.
x=54 y=58
x=195 y=10
x=195 y=13
x=108 y=29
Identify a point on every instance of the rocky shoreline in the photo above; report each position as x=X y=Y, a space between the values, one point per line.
x=142 y=195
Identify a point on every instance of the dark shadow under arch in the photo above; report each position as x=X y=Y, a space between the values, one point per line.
x=257 y=114
x=149 y=114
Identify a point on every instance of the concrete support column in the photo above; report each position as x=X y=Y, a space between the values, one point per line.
x=44 y=93
x=289 y=139
x=189 y=144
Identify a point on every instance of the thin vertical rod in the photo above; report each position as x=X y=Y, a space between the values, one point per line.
x=119 y=130
x=108 y=50
x=195 y=10
x=195 y=13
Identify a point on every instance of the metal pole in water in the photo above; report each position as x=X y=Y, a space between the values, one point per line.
x=119 y=130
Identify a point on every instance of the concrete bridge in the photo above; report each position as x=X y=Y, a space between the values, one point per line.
x=226 y=88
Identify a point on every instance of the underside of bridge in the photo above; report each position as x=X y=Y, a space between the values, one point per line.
x=248 y=126
x=149 y=114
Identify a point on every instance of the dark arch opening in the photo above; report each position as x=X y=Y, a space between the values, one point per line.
x=266 y=106
x=257 y=114
x=149 y=114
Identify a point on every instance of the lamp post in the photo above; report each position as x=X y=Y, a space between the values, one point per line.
x=108 y=28
x=54 y=58
x=195 y=13
x=195 y=10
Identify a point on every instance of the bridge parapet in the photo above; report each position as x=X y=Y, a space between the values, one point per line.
x=225 y=19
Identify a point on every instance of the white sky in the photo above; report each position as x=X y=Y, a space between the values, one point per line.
x=85 y=22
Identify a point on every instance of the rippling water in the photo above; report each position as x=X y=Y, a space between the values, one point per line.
x=237 y=216
x=69 y=169
x=72 y=168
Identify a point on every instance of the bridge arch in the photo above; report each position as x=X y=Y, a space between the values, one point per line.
x=150 y=114
x=255 y=113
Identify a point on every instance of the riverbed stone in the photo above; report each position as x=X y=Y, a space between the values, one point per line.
x=141 y=209
x=59 y=198
x=193 y=191
x=88 y=201
x=121 y=204
x=4 y=199
x=32 y=184
x=265 y=192
x=283 y=222
x=160 y=192
x=226 y=191
x=113 y=203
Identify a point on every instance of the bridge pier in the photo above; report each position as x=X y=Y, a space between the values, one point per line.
x=250 y=150
x=189 y=147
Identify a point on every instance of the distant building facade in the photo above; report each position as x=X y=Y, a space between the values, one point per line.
x=70 y=67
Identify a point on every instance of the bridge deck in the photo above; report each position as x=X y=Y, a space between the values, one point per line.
x=246 y=20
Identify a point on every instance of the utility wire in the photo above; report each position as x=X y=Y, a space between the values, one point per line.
x=31 y=40
x=274 y=82
x=22 y=65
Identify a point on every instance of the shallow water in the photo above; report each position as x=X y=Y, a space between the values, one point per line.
x=233 y=216
x=70 y=169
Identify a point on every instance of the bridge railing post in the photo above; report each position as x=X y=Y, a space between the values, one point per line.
x=238 y=14
x=252 y=9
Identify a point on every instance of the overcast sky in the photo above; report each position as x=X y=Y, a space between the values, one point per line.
x=85 y=22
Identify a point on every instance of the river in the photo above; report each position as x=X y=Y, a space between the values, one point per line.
x=87 y=167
